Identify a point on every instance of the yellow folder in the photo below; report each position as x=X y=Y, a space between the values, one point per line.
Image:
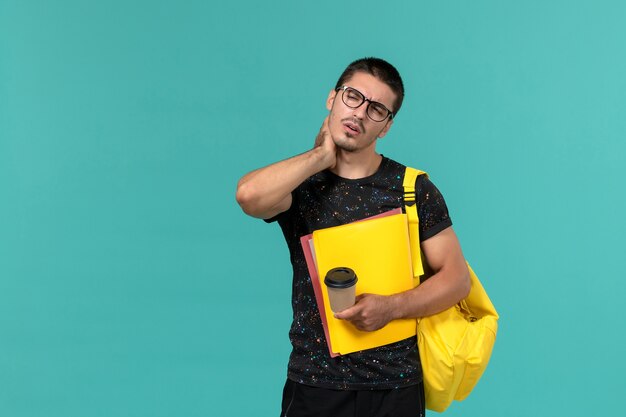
x=378 y=250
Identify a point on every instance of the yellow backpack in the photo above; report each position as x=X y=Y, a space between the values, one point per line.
x=454 y=345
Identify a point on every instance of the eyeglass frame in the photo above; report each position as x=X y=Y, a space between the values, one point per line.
x=390 y=114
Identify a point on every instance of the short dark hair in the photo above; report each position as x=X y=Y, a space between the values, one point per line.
x=380 y=69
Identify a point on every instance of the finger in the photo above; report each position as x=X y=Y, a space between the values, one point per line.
x=343 y=315
x=360 y=297
x=324 y=124
x=346 y=314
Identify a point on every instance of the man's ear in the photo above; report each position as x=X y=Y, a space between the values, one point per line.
x=385 y=129
x=330 y=99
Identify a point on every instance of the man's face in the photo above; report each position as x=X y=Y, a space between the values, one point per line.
x=351 y=129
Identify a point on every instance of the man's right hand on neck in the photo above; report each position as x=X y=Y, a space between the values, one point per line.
x=324 y=142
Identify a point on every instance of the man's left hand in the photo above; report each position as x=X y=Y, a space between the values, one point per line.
x=370 y=312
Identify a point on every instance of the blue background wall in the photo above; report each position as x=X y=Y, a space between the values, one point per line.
x=132 y=285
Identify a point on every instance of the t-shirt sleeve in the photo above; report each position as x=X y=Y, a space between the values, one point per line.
x=432 y=209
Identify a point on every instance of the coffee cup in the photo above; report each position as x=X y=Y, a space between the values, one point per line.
x=341 y=285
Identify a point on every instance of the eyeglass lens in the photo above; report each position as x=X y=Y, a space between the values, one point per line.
x=375 y=110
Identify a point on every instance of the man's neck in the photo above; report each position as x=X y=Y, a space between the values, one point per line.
x=355 y=165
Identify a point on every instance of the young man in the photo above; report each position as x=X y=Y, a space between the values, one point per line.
x=340 y=180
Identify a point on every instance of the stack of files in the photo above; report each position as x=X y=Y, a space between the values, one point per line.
x=378 y=250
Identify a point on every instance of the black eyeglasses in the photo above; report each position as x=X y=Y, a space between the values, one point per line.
x=354 y=99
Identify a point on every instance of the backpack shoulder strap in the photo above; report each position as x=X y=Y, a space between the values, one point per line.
x=410 y=176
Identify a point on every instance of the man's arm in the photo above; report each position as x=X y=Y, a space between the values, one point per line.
x=449 y=285
x=266 y=192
